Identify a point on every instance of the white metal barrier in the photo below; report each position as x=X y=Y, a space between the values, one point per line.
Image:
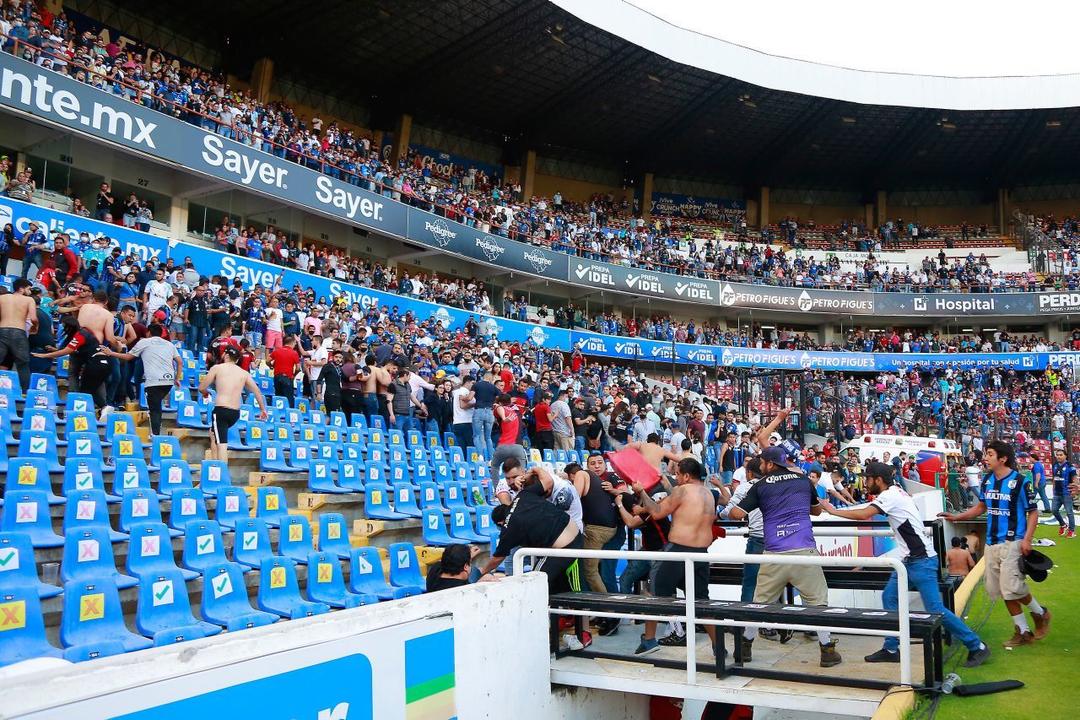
x=903 y=633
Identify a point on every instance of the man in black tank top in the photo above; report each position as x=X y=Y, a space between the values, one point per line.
x=598 y=513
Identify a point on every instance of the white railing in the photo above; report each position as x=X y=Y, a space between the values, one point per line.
x=903 y=633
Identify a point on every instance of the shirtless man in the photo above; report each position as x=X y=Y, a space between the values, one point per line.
x=230 y=381
x=655 y=454
x=959 y=559
x=18 y=319
x=373 y=377
x=693 y=511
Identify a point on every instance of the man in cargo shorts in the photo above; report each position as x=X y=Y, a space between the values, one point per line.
x=1012 y=514
x=786 y=499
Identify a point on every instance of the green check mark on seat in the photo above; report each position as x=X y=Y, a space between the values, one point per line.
x=163 y=593
x=206 y=543
x=5 y=559
x=220 y=587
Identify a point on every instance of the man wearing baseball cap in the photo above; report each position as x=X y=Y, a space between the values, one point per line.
x=786 y=499
x=919 y=557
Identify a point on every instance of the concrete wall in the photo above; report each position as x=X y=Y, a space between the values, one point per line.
x=820 y=214
x=501 y=658
x=579 y=190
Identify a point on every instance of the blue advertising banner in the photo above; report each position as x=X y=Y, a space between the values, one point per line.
x=705 y=208
x=446 y=163
x=255 y=272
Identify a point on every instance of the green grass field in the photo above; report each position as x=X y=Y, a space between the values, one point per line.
x=1049 y=669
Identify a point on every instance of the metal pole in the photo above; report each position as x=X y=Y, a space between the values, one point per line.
x=691 y=624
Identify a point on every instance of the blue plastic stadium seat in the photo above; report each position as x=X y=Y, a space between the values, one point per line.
x=432 y=439
x=81 y=475
x=484 y=525
x=272 y=458
x=461 y=527
x=455 y=495
x=132 y=474
x=30 y=473
x=326 y=451
x=27 y=512
x=164 y=611
x=279 y=592
x=366 y=575
x=40 y=420
x=422 y=473
x=190 y=415
x=79 y=402
x=225 y=600
x=22 y=627
x=350 y=476
x=377 y=504
x=150 y=551
x=44 y=382
x=321 y=478
x=84 y=446
x=18 y=568
x=405 y=569
x=456 y=455
x=140 y=505
x=294 y=538
x=231 y=506
x=76 y=421
x=35 y=444
x=252 y=544
x=299 y=455
x=89 y=508
x=93 y=616
x=174 y=475
x=377 y=455
x=118 y=423
x=414 y=439
x=399 y=473
x=101 y=649
x=398 y=455
x=443 y=475
x=163 y=448
x=334 y=535
x=41 y=399
x=88 y=557
x=405 y=499
x=374 y=474
x=127 y=447
x=202 y=545
x=435 y=529
x=7 y=433
x=474 y=494
x=310 y=434
x=272 y=505
x=187 y=504
x=429 y=497
x=214 y=475
x=377 y=421
x=326 y=584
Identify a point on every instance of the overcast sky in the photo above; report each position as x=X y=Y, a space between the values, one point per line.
x=960 y=38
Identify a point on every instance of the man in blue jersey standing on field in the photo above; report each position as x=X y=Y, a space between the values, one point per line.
x=1011 y=518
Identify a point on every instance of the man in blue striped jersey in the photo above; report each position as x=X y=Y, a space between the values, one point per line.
x=1012 y=514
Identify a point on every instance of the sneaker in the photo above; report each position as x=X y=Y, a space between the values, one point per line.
x=785 y=635
x=673 y=640
x=977 y=657
x=767 y=633
x=1020 y=638
x=829 y=656
x=883 y=656
x=1072 y=534
x=586 y=639
x=1061 y=531
x=747 y=649
x=1042 y=623
x=570 y=643
x=608 y=626
x=645 y=647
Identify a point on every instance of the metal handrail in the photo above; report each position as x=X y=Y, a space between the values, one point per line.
x=903 y=633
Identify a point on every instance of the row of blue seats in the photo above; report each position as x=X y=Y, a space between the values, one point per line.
x=92 y=622
x=88 y=447
x=27 y=511
x=33 y=473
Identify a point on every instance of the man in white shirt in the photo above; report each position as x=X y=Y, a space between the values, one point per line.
x=462 y=405
x=274 y=318
x=157 y=293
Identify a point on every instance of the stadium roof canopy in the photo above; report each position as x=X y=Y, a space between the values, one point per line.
x=530 y=74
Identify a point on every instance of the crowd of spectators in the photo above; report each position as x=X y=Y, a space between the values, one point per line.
x=603 y=228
